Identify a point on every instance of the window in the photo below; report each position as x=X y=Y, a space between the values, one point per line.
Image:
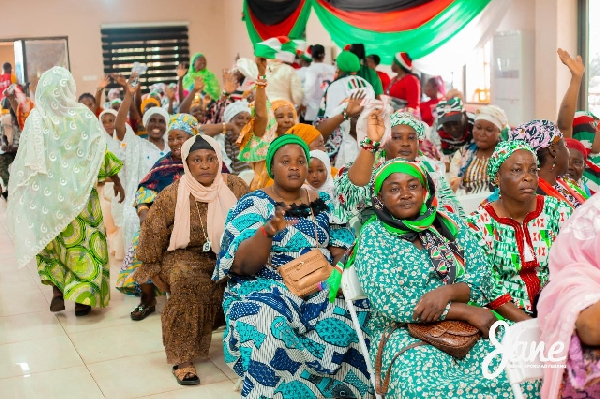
x=160 y=48
x=593 y=55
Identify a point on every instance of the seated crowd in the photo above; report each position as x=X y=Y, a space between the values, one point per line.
x=231 y=202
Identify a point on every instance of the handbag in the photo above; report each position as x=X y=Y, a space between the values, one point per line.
x=453 y=337
x=303 y=274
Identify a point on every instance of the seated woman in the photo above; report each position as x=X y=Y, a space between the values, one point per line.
x=237 y=113
x=569 y=307
x=517 y=231
x=472 y=176
x=545 y=138
x=164 y=172
x=354 y=181
x=320 y=180
x=278 y=342
x=577 y=159
x=406 y=282
x=586 y=129
x=178 y=245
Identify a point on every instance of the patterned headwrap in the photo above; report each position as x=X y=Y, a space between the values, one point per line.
x=494 y=114
x=585 y=127
x=184 y=122
x=538 y=133
x=450 y=110
x=502 y=152
x=282 y=141
x=405 y=118
x=275 y=105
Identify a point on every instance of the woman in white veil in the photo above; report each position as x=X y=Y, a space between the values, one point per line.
x=54 y=211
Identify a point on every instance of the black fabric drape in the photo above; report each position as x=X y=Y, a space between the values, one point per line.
x=375 y=5
x=272 y=12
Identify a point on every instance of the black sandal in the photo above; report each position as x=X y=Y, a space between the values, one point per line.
x=183 y=375
x=58 y=301
x=83 y=310
x=142 y=311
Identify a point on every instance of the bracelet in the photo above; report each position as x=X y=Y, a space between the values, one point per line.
x=369 y=145
x=345 y=115
x=141 y=208
x=264 y=231
x=261 y=77
x=261 y=85
x=224 y=128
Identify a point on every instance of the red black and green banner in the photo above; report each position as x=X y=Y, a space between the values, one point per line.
x=385 y=27
x=266 y=18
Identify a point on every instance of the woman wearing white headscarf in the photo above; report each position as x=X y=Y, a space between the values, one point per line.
x=54 y=212
x=238 y=114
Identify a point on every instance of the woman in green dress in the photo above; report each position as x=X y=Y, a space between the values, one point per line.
x=420 y=265
x=54 y=211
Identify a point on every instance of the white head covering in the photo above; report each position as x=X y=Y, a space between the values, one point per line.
x=154 y=111
x=328 y=186
x=114 y=93
x=492 y=113
x=107 y=111
x=234 y=109
x=61 y=151
x=247 y=67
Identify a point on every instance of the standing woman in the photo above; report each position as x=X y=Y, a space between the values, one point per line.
x=435 y=90
x=54 y=211
x=548 y=142
x=179 y=243
x=405 y=85
x=198 y=68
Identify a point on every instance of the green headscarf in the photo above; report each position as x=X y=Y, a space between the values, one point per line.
x=211 y=83
x=405 y=118
x=282 y=141
x=502 y=152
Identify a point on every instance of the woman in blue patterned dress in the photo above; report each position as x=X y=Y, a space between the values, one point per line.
x=285 y=346
x=419 y=265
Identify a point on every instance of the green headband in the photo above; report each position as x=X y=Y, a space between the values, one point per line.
x=282 y=141
x=397 y=166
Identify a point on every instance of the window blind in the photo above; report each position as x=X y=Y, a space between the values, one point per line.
x=160 y=48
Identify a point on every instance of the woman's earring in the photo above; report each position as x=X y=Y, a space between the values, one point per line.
x=553 y=164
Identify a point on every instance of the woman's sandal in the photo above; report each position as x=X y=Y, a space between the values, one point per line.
x=186 y=375
x=142 y=311
x=82 y=310
x=58 y=302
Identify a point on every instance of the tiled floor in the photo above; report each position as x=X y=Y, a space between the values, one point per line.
x=105 y=354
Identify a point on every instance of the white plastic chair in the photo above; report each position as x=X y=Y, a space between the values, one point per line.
x=247 y=176
x=471 y=202
x=523 y=334
x=352 y=292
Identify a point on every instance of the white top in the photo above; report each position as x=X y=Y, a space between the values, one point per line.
x=283 y=83
x=342 y=88
x=318 y=78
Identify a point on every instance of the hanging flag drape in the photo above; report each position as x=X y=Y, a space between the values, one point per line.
x=385 y=27
x=266 y=18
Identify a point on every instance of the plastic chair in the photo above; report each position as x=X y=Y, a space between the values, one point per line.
x=247 y=176
x=523 y=334
x=352 y=292
x=471 y=202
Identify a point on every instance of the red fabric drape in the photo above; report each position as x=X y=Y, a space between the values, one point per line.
x=281 y=29
x=395 y=21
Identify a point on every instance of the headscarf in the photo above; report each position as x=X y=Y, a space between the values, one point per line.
x=436 y=231
x=405 y=118
x=233 y=109
x=154 y=111
x=61 y=150
x=576 y=145
x=107 y=111
x=403 y=60
x=218 y=196
x=282 y=141
x=328 y=186
x=368 y=74
x=348 y=62
x=211 y=83
x=147 y=101
x=538 y=133
x=574 y=285
x=114 y=94
x=308 y=133
x=275 y=105
x=184 y=122
x=502 y=152
x=494 y=114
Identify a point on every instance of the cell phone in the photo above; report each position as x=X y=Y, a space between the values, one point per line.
x=134 y=82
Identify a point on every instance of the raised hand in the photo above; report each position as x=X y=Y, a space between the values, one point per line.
x=576 y=66
x=181 y=71
x=104 y=82
x=120 y=79
x=230 y=82
x=375 y=126
x=128 y=82
x=198 y=84
x=170 y=93
x=261 y=64
x=354 y=108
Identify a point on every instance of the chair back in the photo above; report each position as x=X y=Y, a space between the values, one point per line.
x=247 y=176
x=471 y=202
x=351 y=286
